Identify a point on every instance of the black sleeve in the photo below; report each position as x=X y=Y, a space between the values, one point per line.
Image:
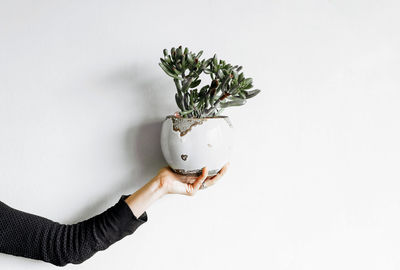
x=31 y=236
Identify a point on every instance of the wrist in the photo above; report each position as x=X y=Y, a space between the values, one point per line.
x=159 y=187
x=144 y=197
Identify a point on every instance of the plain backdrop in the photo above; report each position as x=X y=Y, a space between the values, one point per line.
x=314 y=181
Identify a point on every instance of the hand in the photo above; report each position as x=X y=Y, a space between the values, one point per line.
x=168 y=182
x=173 y=183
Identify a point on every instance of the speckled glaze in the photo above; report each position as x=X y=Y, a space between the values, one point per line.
x=189 y=144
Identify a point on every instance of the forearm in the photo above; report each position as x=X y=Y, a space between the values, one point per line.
x=139 y=201
x=32 y=236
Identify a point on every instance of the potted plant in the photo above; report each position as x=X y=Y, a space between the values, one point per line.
x=198 y=135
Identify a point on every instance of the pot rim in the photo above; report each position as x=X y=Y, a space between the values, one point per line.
x=195 y=118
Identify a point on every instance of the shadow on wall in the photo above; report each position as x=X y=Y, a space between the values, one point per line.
x=144 y=148
x=151 y=93
x=142 y=141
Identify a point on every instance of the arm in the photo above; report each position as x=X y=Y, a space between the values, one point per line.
x=31 y=236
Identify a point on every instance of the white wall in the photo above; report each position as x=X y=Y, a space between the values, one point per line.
x=314 y=183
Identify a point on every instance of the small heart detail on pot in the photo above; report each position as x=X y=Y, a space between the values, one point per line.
x=184 y=157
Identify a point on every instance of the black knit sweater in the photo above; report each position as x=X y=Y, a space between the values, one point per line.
x=31 y=236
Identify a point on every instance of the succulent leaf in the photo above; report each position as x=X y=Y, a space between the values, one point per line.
x=183 y=113
x=168 y=72
x=179 y=52
x=179 y=101
x=247 y=81
x=195 y=83
x=253 y=93
x=190 y=59
x=199 y=54
x=215 y=60
x=233 y=103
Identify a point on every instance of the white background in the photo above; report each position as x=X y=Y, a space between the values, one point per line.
x=314 y=183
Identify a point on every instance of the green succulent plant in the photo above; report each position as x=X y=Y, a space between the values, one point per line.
x=226 y=87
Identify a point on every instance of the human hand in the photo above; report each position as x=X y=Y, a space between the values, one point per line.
x=173 y=183
x=168 y=182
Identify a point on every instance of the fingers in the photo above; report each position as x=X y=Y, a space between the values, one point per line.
x=200 y=179
x=187 y=179
x=215 y=178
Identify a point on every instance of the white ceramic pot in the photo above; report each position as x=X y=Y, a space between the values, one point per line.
x=189 y=144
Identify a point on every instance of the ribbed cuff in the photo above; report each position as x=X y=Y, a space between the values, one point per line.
x=127 y=222
x=142 y=219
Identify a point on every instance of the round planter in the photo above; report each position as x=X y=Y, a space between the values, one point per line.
x=189 y=144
